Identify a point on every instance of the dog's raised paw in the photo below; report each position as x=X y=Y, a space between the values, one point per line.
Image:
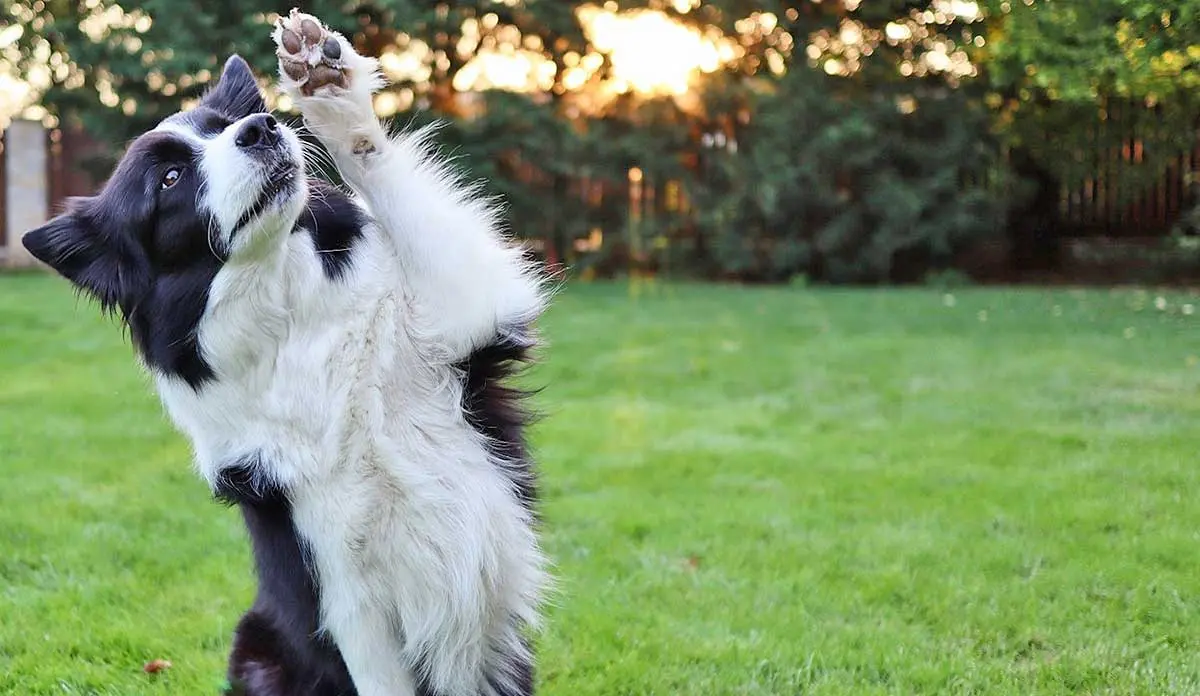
x=310 y=55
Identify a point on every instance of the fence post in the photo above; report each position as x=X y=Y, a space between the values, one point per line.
x=27 y=203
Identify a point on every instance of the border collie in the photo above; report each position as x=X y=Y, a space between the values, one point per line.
x=339 y=362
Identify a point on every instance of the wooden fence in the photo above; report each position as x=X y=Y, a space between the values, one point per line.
x=1134 y=174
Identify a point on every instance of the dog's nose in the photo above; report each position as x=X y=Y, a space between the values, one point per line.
x=258 y=133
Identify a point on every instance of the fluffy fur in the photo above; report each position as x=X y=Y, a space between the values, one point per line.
x=338 y=363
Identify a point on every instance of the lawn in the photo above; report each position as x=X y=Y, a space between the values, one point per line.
x=747 y=491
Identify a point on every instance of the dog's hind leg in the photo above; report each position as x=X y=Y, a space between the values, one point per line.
x=468 y=284
x=264 y=662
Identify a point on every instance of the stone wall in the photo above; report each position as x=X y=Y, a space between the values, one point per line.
x=27 y=188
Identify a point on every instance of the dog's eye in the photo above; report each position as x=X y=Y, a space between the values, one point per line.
x=169 y=179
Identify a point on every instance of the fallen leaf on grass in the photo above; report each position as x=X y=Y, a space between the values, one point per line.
x=156 y=666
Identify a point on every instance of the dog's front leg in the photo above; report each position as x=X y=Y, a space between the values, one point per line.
x=467 y=284
x=333 y=86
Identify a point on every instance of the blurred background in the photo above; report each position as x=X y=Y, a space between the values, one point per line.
x=841 y=141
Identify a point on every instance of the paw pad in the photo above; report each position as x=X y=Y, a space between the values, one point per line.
x=309 y=53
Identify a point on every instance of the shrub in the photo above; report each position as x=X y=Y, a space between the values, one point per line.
x=875 y=189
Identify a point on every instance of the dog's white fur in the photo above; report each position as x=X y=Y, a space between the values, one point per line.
x=349 y=389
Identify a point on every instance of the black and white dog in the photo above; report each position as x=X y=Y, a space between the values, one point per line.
x=338 y=363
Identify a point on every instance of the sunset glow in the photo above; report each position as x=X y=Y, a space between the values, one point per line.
x=649 y=54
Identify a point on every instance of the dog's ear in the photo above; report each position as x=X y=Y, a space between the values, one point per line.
x=80 y=253
x=236 y=93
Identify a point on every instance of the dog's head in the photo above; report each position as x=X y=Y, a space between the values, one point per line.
x=205 y=186
x=218 y=184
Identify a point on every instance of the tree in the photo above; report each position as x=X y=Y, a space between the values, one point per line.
x=1083 y=91
x=849 y=190
x=869 y=159
x=1081 y=53
x=1054 y=63
x=121 y=71
x=844 y=139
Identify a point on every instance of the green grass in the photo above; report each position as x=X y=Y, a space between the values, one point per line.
x=747 y=491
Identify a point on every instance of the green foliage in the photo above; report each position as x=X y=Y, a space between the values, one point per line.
x=153 y=68
x=184 y=45
x=850 y=189
x=830 y=178
x=1083 y=52
x=148 y=72
x=1072 y=79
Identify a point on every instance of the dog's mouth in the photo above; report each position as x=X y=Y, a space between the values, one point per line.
x=278 y=185
x=281 y=178
x=279 y=182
